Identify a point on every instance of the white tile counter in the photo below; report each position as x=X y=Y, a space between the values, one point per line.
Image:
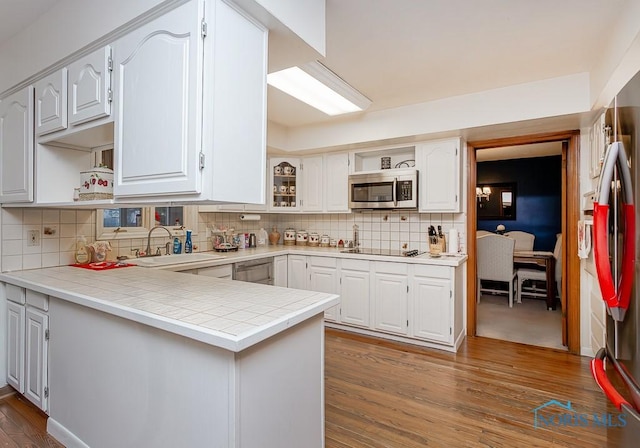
x=224 y=313
x=272 y=251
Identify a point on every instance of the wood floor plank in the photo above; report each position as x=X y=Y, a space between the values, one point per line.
x=381 y=393
x=24 y=424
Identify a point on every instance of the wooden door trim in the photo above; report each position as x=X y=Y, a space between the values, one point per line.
x=570 y=193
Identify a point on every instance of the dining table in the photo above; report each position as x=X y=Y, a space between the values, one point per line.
x=544 y=259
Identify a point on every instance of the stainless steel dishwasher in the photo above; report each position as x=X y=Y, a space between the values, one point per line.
x=254 y=271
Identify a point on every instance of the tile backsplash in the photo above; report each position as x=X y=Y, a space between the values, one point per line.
x=377 y=230
x=34 y=238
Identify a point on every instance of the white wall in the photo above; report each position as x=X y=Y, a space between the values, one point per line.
x=66 y=28
x=620 y=56
x=539 y=99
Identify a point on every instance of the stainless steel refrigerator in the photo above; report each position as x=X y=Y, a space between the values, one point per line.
x=616 y=367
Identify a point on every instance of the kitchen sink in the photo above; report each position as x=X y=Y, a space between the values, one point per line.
x=165 y=260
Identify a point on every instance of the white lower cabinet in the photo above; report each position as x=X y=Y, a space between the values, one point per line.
x=432 y=309
x=411 y=302
x=224 y=271
x=315 y=274
x=355 y=280
x=323 y=277
x=28 y=344
x=389 y=297
x=280 y=268
x=15 y=345
x=36 y=357
x=297 y=272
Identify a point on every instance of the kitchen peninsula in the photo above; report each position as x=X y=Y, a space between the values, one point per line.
x=143 y=357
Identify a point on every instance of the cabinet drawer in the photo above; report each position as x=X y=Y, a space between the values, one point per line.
x=216 y=271
x=355 y=265
x=327 y=262
x=390 y=268
x=38 y=300
x=15 y=294
x=424 y=270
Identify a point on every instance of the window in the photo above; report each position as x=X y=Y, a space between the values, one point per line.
x=135 y=222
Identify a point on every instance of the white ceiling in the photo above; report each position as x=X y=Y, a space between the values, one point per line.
x=18 y=14
x=401 y=52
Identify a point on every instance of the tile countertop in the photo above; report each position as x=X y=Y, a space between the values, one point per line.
x=224 y=313
x=272 y=251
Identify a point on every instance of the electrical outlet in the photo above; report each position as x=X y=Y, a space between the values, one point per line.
x=33 y=238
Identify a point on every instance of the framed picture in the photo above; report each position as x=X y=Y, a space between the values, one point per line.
x=496 y=201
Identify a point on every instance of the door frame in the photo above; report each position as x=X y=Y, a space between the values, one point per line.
x=570 y=284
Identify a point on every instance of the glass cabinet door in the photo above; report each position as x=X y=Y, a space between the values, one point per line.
x=286 y=192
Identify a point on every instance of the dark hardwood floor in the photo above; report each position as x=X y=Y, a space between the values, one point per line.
x=385 y=394
x=22 y=425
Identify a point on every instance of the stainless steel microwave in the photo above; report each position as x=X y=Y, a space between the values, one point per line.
x=389 y=189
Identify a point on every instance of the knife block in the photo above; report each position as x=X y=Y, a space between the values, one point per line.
x=437 y=245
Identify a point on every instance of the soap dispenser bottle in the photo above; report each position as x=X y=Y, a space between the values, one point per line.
x=177 y=245
x=188 y=245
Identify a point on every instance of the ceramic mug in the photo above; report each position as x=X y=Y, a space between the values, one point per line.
x=292 y=189
x=293 y=203
x=277 y=169
x=284 y=204
x=289 y=170
x=283 y=189
x=275 y=188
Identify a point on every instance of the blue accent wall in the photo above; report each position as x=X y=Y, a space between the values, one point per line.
x=538 y=196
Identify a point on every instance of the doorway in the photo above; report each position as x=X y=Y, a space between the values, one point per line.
x=569 y=288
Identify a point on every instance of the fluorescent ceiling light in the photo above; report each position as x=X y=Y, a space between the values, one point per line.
x=319 y=87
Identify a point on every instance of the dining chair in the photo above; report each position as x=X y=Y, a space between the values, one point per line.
x=495 y=263
x=525 y=274
x=482 y=232
x=524 y=240
x=557 y=254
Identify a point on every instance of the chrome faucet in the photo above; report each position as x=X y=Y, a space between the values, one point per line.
x=148 y=250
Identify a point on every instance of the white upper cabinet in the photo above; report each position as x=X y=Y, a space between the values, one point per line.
x=89 y=95
x=336 y=182
x=51 y=103
x=158 y=71
x=285 y=175
x=16 y=147
x=190 y=107
x=439 y=176
x=235 y=92
x=313 y=182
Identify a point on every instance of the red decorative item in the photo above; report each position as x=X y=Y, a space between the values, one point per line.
x=103 y=265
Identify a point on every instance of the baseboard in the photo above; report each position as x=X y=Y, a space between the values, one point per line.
x=63 y=435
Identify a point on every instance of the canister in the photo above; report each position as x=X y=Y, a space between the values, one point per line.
x=301 y=238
